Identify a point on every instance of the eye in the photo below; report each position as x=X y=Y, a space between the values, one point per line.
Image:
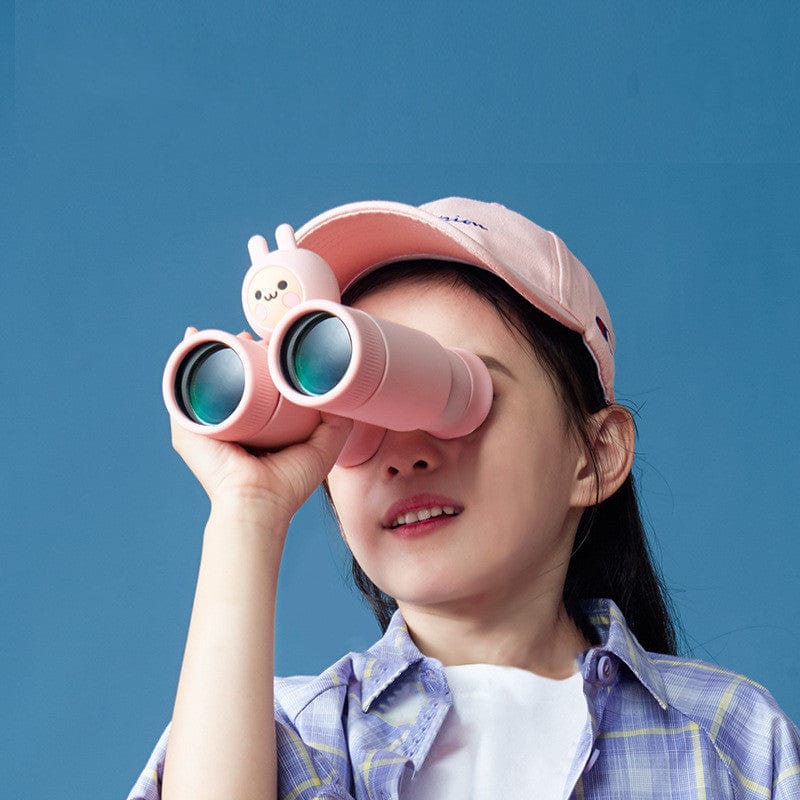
x=258 y=294
x=282 y=284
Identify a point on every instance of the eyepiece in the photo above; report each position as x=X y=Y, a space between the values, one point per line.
x=209 y=383
x=315 y=353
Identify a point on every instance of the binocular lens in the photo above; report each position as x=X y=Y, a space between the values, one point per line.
x=316 y=353
x=210 y=383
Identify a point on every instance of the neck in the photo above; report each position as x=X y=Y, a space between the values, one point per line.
x=535 y=634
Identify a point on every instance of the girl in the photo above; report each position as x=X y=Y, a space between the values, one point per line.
x=527 y=649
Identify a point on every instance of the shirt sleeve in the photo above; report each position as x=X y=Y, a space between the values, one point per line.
x=317 y=769
x=786 y=752
x=148 y=785
x=758 y=743
x=304 y=772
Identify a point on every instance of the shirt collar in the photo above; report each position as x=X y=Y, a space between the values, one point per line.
x=616 y=638
x=387 y=659
x=395 y=652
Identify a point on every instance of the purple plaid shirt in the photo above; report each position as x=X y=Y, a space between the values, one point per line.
x=658 y=726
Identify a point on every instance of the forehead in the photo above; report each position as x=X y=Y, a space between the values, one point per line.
x=449 y=310
x=274 y=273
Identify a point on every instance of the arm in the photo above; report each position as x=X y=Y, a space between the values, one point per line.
x=222 y=740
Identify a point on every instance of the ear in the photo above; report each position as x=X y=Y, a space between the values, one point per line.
x=258 y=249
x=611 y=435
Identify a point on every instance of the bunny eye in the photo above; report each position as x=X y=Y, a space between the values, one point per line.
x=282 y=284
x=258 y=294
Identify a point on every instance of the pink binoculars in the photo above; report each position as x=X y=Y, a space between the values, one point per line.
x=318 y=355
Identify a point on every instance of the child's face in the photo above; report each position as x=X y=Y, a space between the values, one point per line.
x=512 y=483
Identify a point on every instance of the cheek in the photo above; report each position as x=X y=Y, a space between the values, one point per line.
x=340 y=479
x=526 y=464
x=345 y=495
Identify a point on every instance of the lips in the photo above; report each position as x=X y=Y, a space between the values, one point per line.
x=420 y=508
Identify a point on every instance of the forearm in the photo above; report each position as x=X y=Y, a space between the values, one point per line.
x=222 y=741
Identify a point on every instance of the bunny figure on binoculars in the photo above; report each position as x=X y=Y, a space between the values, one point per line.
x=318 y=355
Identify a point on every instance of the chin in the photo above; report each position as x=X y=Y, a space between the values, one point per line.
x=434 y=592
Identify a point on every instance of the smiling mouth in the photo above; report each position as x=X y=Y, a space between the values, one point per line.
x=422 y=514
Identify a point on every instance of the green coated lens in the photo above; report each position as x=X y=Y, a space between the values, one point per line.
x=316 y=353
x=210 y=383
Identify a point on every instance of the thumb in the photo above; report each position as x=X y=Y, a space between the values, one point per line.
x=319 y=454
x=329 y=438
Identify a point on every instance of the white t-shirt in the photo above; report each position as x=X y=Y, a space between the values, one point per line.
x=509 y=733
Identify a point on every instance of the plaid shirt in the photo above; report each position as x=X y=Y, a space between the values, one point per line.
x=658 y=726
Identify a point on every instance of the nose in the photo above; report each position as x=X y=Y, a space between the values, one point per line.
x=410 y=453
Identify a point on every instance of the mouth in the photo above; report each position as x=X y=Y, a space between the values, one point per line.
x=423 y=514
x=420 y=509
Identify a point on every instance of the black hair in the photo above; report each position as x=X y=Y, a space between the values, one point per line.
x=611 y=557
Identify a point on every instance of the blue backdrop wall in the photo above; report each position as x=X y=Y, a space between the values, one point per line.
x=145 y=142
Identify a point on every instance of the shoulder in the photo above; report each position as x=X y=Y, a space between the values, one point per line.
x=713 y=696
x=723 y=703
x=728 y=722
x=739 y=717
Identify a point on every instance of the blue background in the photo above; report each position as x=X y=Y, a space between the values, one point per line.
x=145 y=142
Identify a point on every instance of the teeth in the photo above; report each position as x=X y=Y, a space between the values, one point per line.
x=423 y=514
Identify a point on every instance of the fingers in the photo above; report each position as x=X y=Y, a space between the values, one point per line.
x=189 y=446
x=191 y=330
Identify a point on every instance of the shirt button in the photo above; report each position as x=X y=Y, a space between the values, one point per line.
x=606 y=670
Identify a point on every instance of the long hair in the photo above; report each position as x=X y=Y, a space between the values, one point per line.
x=610 y=558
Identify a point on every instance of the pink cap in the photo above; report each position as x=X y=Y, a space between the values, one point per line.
x=358 y=237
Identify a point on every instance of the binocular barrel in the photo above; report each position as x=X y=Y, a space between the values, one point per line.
x=323 y=356
x=334 y=358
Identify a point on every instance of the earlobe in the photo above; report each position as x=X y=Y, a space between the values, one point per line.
x=612 y=440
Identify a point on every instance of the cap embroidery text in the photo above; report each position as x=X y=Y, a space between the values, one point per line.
x=462 y=221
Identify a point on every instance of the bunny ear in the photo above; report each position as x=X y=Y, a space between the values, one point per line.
x=258 y=249
x=284 y=236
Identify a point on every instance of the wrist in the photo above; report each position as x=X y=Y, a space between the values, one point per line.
x=242 y=539
x=251 y=509
x=252 y=524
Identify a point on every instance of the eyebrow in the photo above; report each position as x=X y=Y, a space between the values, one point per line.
x=492 y=363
